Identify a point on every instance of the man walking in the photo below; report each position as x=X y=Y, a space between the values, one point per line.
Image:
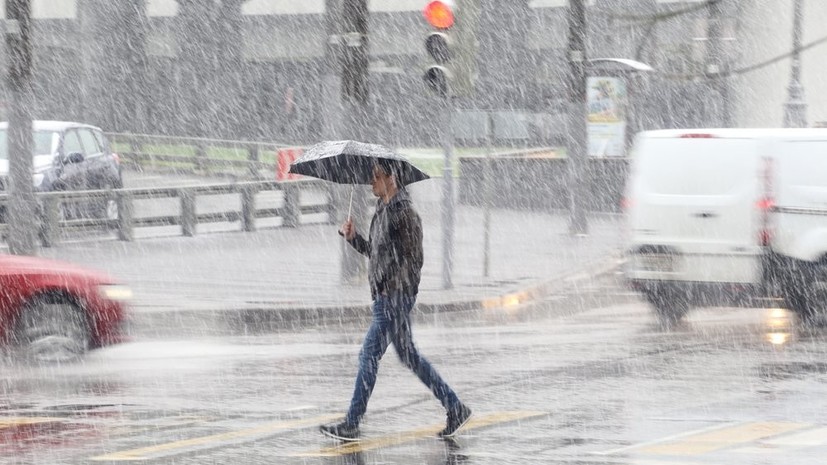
x=394 y=250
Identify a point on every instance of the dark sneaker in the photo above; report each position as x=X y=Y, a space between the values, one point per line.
x=341 y=431
x=456 y=420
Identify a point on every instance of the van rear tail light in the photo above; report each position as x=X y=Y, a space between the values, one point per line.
x=764 y=237
x=117 y=158
x=766 y=204
x=626 y=203
x=765 y=233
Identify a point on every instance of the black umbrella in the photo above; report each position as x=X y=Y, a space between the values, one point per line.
x=352 y=162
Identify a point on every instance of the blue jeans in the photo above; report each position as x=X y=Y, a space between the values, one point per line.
x=392 y=324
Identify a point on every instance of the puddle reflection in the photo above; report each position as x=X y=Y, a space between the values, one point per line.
x=779 y=326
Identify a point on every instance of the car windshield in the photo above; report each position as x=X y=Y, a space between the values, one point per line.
x=45 y=143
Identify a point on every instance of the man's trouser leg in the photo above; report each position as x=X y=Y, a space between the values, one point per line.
x=402 y=338
x=374 y=346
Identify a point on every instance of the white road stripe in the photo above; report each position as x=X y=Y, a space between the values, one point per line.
x=667 y=438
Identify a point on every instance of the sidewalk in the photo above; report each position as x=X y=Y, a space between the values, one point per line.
x=297 y=271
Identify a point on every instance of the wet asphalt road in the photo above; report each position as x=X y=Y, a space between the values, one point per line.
x=586 y=377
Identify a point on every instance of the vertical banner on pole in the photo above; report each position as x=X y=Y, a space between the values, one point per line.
x=606 y=116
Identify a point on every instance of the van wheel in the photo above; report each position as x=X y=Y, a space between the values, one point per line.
x=804 y=289
x=670 y=305
x=52 y=329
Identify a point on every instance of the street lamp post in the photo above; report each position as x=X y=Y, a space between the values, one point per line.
x=717 y=65
x=795 y=108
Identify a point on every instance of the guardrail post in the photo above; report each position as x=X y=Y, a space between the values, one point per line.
x=200 y=156
x=253 y=156
x=332 y=207
x=126 y=230
x=136 y=150
x=49 y=221
x=189 y=220
x=292 y=205
x=248 y=208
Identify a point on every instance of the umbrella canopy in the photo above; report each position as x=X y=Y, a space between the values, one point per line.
x=352 y=162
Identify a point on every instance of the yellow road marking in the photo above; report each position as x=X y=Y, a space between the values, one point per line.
x=12 y=422
x=214 y=440
x=477 y=421
x=661 y=462
x=814 y=437
x=783 y=444
x=721 y=438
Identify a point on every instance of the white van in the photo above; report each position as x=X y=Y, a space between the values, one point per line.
x=704 y=227
x=799 y=220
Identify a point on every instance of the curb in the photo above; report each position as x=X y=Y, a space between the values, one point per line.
x=530 y=294
x=253 y=320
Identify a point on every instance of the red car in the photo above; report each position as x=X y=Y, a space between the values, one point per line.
x=54 y=311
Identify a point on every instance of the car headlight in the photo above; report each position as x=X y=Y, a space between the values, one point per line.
x=116 y=292
x=37 y=179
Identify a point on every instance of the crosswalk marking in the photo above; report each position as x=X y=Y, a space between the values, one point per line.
x=664 y=439
x=813 y=437
x=809 y=438
x=477 y=421
x=661 y=462
x=721 y=438
x=766 y=437
x=14 y=422
x=212 y=441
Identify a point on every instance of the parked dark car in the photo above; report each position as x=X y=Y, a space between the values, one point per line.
x=52 y=311
x=69 y=156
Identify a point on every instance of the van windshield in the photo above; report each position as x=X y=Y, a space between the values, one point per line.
x=715 y=166
x=45 y=143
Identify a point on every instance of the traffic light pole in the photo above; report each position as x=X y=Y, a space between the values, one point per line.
x=719 y=105
x=448 y=207
x=22 y=204
x=577 y=131
x=487 y=189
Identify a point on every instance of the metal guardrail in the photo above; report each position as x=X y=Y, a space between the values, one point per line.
x=239 y=157
x=51 y=223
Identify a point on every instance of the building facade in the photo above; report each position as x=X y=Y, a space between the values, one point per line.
x=254 y=69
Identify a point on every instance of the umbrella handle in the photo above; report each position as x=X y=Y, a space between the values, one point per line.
x=350 y=206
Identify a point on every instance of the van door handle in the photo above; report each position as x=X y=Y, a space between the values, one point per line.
x=705 y=215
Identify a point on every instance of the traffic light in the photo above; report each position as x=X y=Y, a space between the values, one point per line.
x=451 y=46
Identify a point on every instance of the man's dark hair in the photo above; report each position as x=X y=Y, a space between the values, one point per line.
x=390 y=167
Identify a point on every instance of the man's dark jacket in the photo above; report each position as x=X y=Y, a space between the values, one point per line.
x=394 y=247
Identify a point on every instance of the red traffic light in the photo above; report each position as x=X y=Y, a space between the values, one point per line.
x=439 y=14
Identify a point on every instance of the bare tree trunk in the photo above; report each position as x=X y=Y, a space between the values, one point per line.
x=22 y=203
x=577 y=135
x=352 y=42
